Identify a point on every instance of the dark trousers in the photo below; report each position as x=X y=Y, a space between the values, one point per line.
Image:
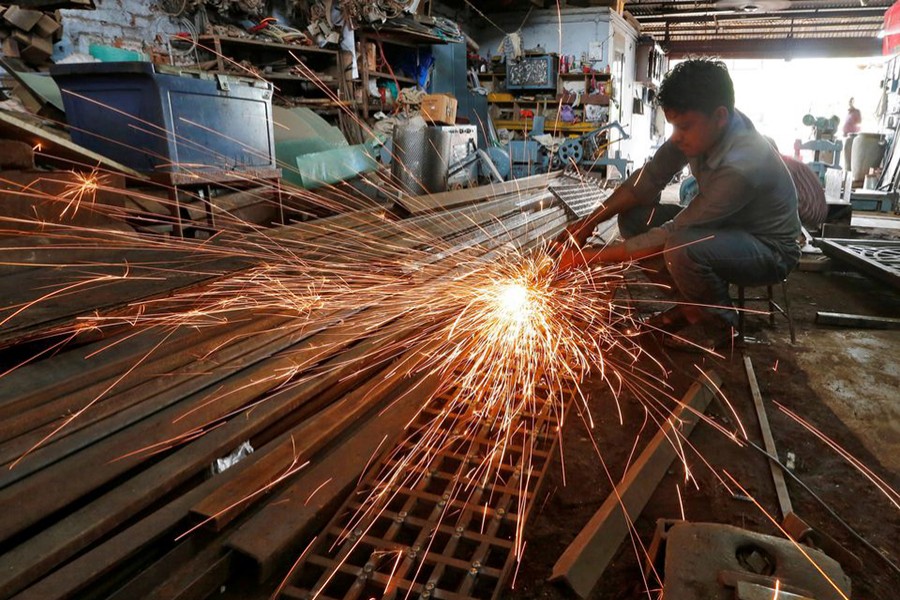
x=702 y=262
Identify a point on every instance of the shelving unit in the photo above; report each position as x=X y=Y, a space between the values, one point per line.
x=506 y=112
x=275 y=62
x=392 y=38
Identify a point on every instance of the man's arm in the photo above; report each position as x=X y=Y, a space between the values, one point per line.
x=621 y=200
x=636 y=248
x=640 y=188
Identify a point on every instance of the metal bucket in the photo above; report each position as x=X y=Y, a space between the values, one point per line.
x=421 y=159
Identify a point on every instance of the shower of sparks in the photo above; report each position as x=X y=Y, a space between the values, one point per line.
x=510 y=339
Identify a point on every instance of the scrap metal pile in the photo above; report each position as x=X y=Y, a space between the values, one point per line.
x=116 y=436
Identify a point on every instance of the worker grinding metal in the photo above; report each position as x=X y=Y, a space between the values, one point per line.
x=741 y=228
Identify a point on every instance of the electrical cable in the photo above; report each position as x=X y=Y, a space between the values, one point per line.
x=827 y=507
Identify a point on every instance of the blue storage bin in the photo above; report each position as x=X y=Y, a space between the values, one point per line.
x=154 y=118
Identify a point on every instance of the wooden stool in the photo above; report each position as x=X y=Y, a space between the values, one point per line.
x=773 y=308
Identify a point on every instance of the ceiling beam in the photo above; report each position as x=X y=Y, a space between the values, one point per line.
x=722 y=16
x=781 y=48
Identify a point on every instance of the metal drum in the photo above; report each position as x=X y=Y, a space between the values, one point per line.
x=421 y=159
x=868 y=150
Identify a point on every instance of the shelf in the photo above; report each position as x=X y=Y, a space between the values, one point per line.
x=383 y=75
x=517 y=101
x=264 y=44
x=320 y=80
x=549 y=126
x=579 y=76
x=400 y=37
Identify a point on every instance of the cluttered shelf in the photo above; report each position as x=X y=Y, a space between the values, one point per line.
x=554 y=126
x=271 y=60
x=578 y=76
x=233 y=41
x=318 y=79
x=400 y=37
x=400 y=78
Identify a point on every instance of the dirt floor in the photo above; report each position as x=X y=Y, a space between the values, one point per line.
x=843 y=382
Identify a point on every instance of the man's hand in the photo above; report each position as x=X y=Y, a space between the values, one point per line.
x=570 y=238
x=572 y=258
x=577 y=258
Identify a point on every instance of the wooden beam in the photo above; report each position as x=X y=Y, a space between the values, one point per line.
x=55 y=149
x=43 y=551
x=417 y=205
x=229 y=500
x=584 y=561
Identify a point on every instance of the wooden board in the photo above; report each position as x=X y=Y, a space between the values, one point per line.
x=784 y=499
x=56 y=150
x=277 y=531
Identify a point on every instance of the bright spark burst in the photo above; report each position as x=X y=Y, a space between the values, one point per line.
x=508 y=337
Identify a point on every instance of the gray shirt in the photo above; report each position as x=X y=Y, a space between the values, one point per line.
x=743 y=184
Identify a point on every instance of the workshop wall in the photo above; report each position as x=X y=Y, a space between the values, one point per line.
x=580 y=26
x=571 y=31
x=127 y=23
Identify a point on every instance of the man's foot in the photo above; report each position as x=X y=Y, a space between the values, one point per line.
x=705 y=336
x=668 y=321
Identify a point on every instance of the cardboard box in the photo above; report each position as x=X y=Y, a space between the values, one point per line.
x=47 y=26
x=22 y=18
x=439 y=108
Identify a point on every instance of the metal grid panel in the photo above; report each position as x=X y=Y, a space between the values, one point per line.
x=579 y=198
x=444 y=536
x=878 y=258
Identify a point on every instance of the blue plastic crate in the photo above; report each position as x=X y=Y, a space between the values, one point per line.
x=152 y=120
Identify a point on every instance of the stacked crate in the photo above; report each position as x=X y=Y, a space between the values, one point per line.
x=28 y=34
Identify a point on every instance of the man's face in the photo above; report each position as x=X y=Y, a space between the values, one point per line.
x=695 y=132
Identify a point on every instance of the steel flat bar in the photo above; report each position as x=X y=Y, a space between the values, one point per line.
x=585 y=559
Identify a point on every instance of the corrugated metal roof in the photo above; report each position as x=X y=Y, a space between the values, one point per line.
x=728 y=27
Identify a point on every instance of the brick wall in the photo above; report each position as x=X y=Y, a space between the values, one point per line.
x=129 y=23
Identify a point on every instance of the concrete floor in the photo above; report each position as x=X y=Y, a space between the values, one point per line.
x=857 y=374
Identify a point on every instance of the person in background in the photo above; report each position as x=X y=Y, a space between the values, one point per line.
x=741 y=227
x=852 y=121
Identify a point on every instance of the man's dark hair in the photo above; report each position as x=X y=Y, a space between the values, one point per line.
x=699 y=84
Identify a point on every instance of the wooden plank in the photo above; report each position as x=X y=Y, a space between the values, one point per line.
x=68 y=581
x=55 y=149
x=583 y=562
x=200 y=578
x=857 y=321
x=160 y=355
x=156 y=573
x=60 y=312
x=282 y=527
x=784 y=499
x=96 y=464
x=149 y=399
x=229 y=500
